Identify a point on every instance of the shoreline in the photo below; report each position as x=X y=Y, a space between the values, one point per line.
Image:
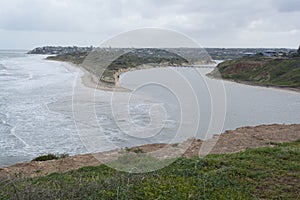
x=282 y=88
x=242 y=138
x=88 y=79
x=91 y=81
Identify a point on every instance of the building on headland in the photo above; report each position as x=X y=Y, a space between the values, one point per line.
x=190 y=53
x=249 y=54
x=56 y=50
x=270 y=53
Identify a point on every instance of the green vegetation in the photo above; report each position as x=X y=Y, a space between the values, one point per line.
x=139 y=57
x=264 y=173
x=50 y=156
x=264 y=71
x=106 y=62
x=138 y=163
x=75 y=58
x=134 y=149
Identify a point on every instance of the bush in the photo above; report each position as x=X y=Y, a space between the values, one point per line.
x=138 y=150
x=46 y=157
x=50 y=156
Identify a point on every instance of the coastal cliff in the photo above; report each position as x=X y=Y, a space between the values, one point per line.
x=244 y=163
x=261 y=71
x=108 y=63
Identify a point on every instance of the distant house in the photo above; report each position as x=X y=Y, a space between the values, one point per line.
x=270 y=53
x=281 y=54
x=249 y=54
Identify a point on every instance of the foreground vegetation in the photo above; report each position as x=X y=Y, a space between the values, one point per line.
x=264 y=71
x=264 y=173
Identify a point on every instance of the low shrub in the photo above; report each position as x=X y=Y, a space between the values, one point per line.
x=50 y=156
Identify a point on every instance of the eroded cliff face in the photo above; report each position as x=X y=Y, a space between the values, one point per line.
x=264 y=71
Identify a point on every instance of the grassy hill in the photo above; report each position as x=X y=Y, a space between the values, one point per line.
x=264 y=173
x=264 y=71
x=106 y=62
x=75 y=58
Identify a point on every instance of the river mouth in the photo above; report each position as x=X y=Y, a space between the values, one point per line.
x=37 y=115
x=244 y=105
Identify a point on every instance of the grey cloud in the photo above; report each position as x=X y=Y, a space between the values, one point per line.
x=214 y=22
x=287 y=5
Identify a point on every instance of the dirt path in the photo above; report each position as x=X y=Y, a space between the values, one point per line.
x=228 y=142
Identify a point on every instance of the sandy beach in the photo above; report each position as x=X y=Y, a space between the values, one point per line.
x=92 y=81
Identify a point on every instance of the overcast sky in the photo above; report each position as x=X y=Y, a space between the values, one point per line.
x=25 y=24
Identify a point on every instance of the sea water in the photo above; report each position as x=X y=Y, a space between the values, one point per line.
x=39 y=108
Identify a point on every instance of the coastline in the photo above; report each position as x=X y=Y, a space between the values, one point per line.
x=242 y=138
x=267 y=72
x=286 y=89
x=91 y=81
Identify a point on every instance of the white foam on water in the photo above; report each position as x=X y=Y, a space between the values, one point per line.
x=37 y=117
x=28 y=87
